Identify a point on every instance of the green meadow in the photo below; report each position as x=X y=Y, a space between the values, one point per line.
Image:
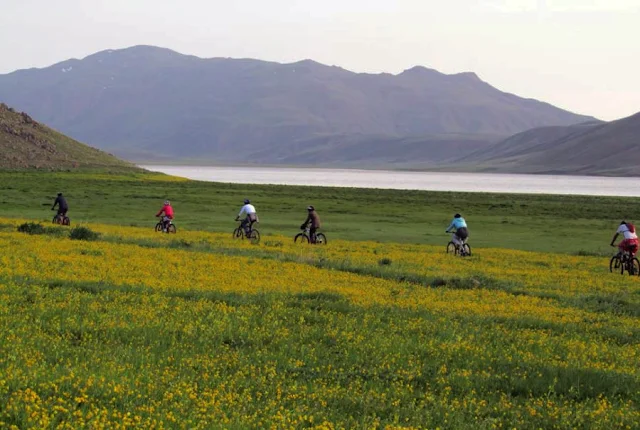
x=569 y=224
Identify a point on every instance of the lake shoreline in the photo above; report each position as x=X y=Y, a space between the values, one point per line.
x=410 y=180
x=385 y=168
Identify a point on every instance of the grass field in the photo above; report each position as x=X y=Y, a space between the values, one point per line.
x=196 y=330
x=529 y=222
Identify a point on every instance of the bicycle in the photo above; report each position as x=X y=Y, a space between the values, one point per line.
x=61 y=219
x=250 y=233
x=171 y=227
x=625 y=261
x=305 y=237
x=463 y=250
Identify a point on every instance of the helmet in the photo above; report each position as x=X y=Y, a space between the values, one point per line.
x=457 y=216
x=311 y=208
x=167 y=202
x=247 y=201
x=59 y=194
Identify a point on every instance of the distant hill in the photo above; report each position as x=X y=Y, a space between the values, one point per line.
x=25 y=143
x=147 y=102
x=593 y=148
x=381 y=151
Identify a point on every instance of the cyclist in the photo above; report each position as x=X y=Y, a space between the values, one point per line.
x=461 y=234
x=251 y=216
x=630 y=241
x=313 y=220
x=167 y=210
x=63 y=207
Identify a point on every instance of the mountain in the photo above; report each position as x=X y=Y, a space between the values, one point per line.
x=148 y=102
x=25 y=143
x=593 y=148
x=379 y=151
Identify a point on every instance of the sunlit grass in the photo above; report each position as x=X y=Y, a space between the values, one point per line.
x=197 y=330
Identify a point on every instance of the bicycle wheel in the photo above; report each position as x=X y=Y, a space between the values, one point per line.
x=159 y=226
x=452 y=249
x=238 y=233
x=321 y=239
x=623 y=265
x=633 y=267
x=55 y=220
x=301 y=238
x=614 y=263
x=66 y=221
x=171 y=228
x=254 y=236
x=466 y=250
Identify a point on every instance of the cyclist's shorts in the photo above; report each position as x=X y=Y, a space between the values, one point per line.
x=629 y=245
x=462 y=233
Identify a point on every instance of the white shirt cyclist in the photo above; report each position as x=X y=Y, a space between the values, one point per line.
x=247 y=209
x=628 y=234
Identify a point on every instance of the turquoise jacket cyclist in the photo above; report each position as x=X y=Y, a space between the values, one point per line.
x=458 y=222
x=461 y=233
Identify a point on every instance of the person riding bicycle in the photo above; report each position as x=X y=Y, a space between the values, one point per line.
x=167 y=210
x=251 y=216
x=630 y=241
x=313 y=221
x=461 y=234
x=63 y=207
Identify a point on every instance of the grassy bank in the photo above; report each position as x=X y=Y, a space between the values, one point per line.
x=529 y=222
x=144 y=330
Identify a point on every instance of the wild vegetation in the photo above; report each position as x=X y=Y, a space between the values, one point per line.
x=197 y=330
x=571 y=224
x=134 y=328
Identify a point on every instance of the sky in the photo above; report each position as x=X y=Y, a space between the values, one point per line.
x=581 y=55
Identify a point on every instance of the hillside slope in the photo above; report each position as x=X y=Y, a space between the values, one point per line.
x=380 y=151
x=25 y=143
x=592 y=148
x=147 y=101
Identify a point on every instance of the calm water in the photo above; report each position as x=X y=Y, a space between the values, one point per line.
x=433 y=181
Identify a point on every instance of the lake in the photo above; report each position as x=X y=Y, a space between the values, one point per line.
x=402 y=180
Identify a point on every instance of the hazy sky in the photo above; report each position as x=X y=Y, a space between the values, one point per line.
x=582 y=55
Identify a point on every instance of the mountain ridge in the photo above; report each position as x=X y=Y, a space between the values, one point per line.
x=156 y=101
x=592 y=148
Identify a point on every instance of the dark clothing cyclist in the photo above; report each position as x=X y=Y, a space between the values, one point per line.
x=313 y=221
x=61 y=202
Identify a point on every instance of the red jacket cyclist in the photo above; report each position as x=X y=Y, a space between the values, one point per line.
x=167 y=210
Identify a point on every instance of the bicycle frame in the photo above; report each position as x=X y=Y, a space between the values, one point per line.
x=59 y=219
x=249 y=226
x=624 y=261
x=307 y=232
x=458 y=246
